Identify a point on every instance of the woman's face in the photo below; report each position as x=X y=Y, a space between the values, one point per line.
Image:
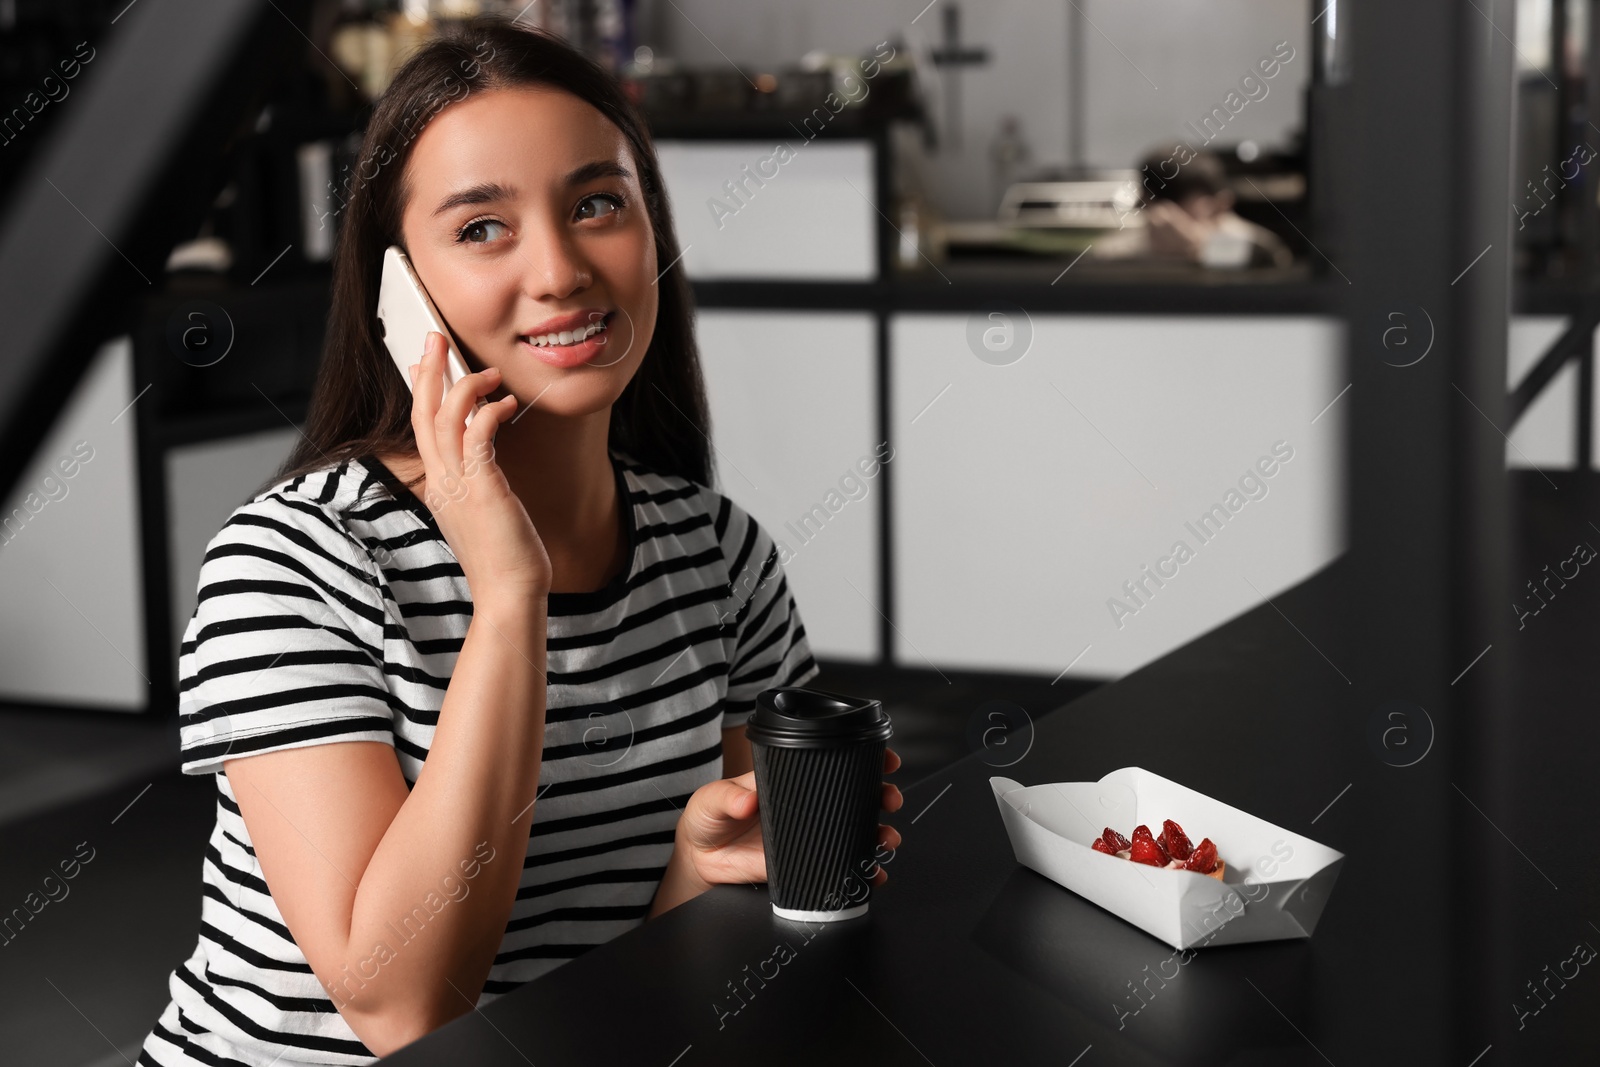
x=526 y=223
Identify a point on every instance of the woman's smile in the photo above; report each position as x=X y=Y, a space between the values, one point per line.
x=569 y=340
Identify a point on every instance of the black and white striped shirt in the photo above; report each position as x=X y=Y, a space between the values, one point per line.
x=332 y=609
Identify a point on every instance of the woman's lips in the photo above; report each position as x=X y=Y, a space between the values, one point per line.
x=575 y=352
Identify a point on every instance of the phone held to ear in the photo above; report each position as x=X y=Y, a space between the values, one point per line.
x=406 y=314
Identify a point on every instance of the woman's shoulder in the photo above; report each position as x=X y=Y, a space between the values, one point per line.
x=301 y=514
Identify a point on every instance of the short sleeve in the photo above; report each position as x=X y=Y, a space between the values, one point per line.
x=284 y=648
x=769 y=645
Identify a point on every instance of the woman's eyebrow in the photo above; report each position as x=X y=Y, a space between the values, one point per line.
x=602 y=168
x=489 y=192
x=482 y=193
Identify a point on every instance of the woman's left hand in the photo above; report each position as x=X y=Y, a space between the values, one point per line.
x=720 y=831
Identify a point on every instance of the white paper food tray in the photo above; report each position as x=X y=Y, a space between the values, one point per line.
x=1275 y=885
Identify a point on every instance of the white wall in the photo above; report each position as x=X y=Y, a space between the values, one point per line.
x=73 y=571
x=793 y=412
x=807 y=214
x=73 y=631
x=1025 y=495
x=1194 y=54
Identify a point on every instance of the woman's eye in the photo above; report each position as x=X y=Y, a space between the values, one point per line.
x=598 y=206
x=478 y=231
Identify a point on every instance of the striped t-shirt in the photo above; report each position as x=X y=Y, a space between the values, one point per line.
x=330 y=608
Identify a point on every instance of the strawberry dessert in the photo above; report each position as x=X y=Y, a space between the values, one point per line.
x=1171 y=850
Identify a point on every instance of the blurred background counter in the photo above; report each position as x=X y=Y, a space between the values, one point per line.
x=1078 y=280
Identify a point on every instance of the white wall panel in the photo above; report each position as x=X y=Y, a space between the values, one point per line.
x=1545 y=436
x=793 y=402
x=1027 y=494
x=73 y=631
x=812 y=218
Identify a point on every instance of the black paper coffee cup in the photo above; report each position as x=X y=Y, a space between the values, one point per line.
x=819 y=776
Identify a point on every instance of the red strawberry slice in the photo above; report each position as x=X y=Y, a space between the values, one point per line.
x=1204 y=858
x=1143 y=848
x=1115 y=842
x=1174 y=841
x=1099 y=845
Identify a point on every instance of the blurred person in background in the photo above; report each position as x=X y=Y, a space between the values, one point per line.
x=1188 y=217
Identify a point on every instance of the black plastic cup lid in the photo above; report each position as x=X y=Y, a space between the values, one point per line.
x=791 y=716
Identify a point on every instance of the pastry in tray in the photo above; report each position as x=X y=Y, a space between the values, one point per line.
x=1171 y=850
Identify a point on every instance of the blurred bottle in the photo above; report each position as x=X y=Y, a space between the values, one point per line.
x=1009 y=153
x=908 y=251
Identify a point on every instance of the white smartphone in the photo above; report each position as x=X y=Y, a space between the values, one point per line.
x=406 y=314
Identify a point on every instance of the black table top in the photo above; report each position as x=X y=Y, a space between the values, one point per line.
x=968 y=958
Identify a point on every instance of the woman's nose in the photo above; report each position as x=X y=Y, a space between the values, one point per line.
x=556 y=268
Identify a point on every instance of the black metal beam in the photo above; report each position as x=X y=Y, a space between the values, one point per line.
x=1428 y=524
x=129 y=171
x=1562 y=119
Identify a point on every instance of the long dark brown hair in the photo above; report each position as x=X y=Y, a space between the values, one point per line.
x=360 y=403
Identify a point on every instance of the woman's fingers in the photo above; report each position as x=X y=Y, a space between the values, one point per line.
x=488 y=527
x=725 y=801
x=451 y=450
x=888 y=838
x=892 y=800
x=478 y=442
x=450 y=421
x=735 y=799
x=426 y=387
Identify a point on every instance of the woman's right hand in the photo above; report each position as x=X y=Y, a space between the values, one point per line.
x=483 y=521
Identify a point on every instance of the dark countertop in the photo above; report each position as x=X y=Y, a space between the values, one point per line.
x=1045 y=286
x=968 y=958
x=58 y=755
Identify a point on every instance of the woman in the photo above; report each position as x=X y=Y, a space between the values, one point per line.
x=470 y=694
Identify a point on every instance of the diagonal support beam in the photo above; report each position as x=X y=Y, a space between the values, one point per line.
x=129 y=171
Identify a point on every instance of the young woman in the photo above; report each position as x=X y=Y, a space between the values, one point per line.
x=470 y=692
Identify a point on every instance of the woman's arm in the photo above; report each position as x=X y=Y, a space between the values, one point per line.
x=679 y=884
x=399 y=900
